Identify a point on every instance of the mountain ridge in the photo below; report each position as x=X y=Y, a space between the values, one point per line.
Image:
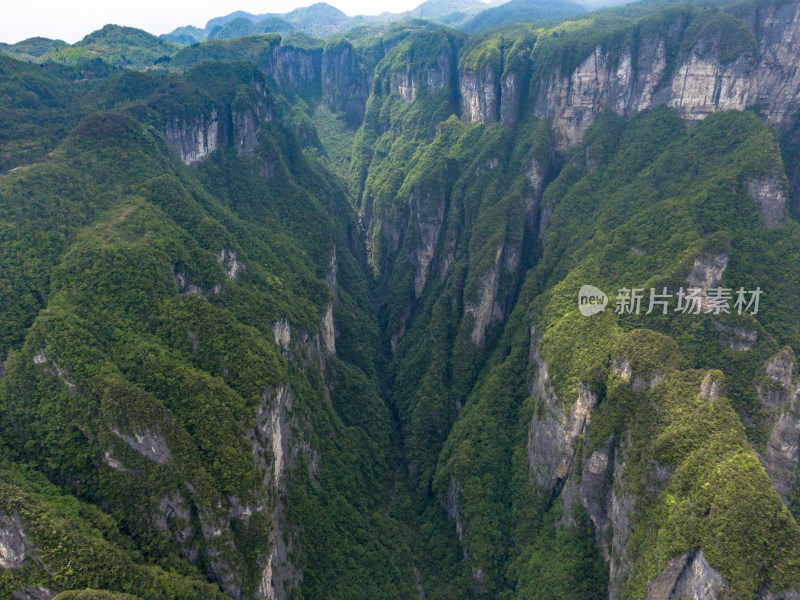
x=288 y=318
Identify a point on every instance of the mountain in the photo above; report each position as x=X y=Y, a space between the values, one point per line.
x=241 y=27
x=32 y=48
x=446 y=12
x=121 y=46
x=185 y=36
x=407 y=313
x=521 y=11
x=320 y=20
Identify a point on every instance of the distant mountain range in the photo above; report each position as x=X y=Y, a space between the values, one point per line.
x=132 y=48
x=321 y=19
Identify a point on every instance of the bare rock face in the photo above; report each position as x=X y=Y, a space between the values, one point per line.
x=274 y=450
x=454 y=510
x=33 y=593
x=777 y=76
x=147 y=443
x=187 y=286
x=271 y=436
x=426 y=217
x=512 y=90
x=328 y=331
x=194 y=140
x=710 y=388
x=283 y=334
x=230 y=261
x=592 y=491
x=701 y=84
x=297 y=68
x=661 y=587
x=488 y=309
x=573 y=101
x=621 y=510
x=174 y=516
x=687 y=578
x=770 y=195
x=245 y=131
x=14 y=546
x=779 y=397
x=247 y=117
x=110 y=461
x=345 y=87
x=738 y=339
x=480 y=95
x=552 y=432
x=788 y=595
x=707 y=271
x=54 y=370
x=436 y=76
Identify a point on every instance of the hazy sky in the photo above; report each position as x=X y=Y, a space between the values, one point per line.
x=70 y=21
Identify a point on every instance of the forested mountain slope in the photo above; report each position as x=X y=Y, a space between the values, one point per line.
x=285 y=318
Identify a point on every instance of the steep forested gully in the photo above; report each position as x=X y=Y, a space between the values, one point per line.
x=283 y=318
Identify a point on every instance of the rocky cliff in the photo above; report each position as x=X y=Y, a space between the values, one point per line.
x=698 y=63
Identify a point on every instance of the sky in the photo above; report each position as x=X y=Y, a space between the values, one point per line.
x=72 y=20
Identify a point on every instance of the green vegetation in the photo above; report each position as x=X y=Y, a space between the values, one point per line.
x=519 y=11
x=340 y=355
x=119 y=46
x=133 y=356
x=32 y=48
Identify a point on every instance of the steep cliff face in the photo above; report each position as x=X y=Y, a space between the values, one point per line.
x=606 y=444
x=493 y=78
x=195 y=139
x=236 y=121
x=345 y=85
x=242 y=431
x=298 y=68
x=14 y=546
x=249 y=111
x=552 y=433
x=479 y=92
x=224 y=404
x=408 y=80
x=697 y=63
x=688 y=577
x=276 y=451
x=573 y=100
x=779 y=397
x=696 y=74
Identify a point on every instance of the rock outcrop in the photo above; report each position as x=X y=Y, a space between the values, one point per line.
x=195 y=139
x=703 y=81
x=770 y=195
x=687 y=578
x=490 y=307
x=275 y=451
x=15 y=549
x=479 y=93
x=435 y=76
x=147 y=443
x=553 y=432
x=345 y=86
x=235 y=124
x=779 y=396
